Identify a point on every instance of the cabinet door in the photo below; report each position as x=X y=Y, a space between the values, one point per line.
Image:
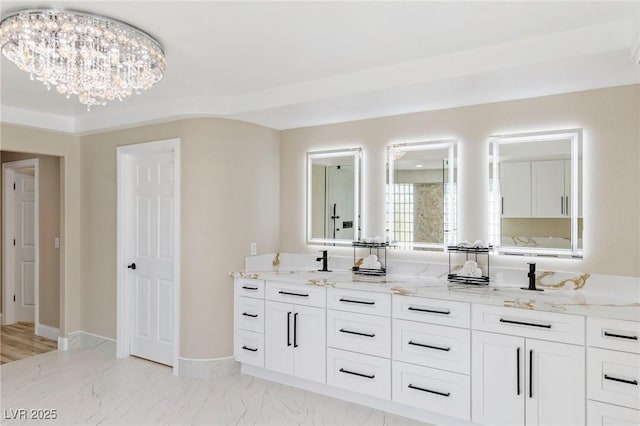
x=547 y=186
x=515 y=189
x=278 y=337
x=567 y=186
x=498 y=386
x=555 y=391
x=309 y=342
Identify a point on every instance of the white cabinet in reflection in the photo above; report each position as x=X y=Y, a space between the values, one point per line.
x=549 y=197
x=515 y=189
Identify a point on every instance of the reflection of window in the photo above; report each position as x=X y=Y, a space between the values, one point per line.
x=403 y=214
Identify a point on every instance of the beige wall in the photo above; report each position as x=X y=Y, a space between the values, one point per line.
x=21 y=139
x=609 y=117
x=230 y=197
x=48 y=229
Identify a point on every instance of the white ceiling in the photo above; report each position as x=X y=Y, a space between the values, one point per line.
x=287 y=65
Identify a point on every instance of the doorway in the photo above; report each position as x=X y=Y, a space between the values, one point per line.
x=148 y=259
x=20 y=241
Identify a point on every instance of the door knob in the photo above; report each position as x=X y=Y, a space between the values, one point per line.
x=132 y=266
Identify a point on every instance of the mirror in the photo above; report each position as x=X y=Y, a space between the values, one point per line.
x=536 y=193
x=333 y=196
x=421 y=195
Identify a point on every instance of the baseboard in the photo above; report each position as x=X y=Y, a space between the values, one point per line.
x=48 y=332
x=85 y=340
x=354 y=397
x=190 y=368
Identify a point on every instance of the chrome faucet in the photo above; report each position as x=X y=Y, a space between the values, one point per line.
x=532 y=278
x=325 y=261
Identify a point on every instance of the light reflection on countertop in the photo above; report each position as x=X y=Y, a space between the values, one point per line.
x=566 y=299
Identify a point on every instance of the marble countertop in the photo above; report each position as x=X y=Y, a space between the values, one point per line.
x=570 y=296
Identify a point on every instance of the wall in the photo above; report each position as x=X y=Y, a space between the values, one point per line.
x=21 y=139
x=609 y=117
x=49 y=228
x=230 y=197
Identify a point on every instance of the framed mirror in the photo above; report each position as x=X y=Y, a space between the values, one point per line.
x=421 y=195
x=333 y=196
x=536 y=193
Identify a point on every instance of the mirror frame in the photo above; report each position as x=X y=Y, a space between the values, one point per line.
x=356 y=153
x=451 y=145
x=495 y=235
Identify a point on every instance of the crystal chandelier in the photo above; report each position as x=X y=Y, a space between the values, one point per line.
x=96 y=58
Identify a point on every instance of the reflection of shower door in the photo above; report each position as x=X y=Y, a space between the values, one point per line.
x=340 y=198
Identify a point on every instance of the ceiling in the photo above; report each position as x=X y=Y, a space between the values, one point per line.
x=288 y=65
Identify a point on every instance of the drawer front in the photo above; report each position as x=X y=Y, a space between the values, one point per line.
x=250 y=314
x=613 y=377
x=249 y=347
x=365 y=374
x=433 y=311
x=614 y=334
x=599 y=414
x=246 y=287
x=359 y=301
x=359 y=333
x=433 y=390
x=538 y=325
x=300 y=294
x=431 y=345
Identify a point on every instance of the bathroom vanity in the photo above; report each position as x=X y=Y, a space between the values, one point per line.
x=443 y=353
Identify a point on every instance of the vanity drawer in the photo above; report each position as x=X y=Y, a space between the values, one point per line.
x=432 y=390
x=599 y=414
x=249 y=347
x=538 y=325
x=300 y=294
x=250 y=288
x=613 y=377
x=434 y=311
x=250 y=314
x=359 y=333
x=359 y=301
x=614 y=334
x=431 y=345
x=365 y=374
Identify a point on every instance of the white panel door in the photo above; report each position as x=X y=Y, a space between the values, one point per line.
x=498 y=386
x=152 y=295
x=555 y=384
x=278 y=337
x=25 y=247
x=309 y=343
x=515 y=189
x=547 y=182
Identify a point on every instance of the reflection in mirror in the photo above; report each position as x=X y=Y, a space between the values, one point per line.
x=333 y=196
x=421 y=195
x=536 y=193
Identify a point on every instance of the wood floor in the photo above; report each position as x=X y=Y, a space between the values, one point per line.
x=20 y=341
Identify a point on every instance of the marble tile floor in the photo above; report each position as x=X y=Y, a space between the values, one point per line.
x=90 y=387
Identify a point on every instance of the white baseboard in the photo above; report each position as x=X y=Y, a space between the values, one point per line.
x=85 y=340
x=63 y=344
x=354 y=397
x=47 y=331
x=206 y=368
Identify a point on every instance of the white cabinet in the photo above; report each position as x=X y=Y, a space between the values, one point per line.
x=295 y=341
x=548 y=196
x=515 y=188
x=525 y=380
x=599 y=414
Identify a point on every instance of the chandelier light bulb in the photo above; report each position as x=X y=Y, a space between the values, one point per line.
x=95 y=58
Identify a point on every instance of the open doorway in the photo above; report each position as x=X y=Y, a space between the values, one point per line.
x=30 y=249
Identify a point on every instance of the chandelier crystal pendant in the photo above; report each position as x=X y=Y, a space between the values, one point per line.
x=96 y=58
